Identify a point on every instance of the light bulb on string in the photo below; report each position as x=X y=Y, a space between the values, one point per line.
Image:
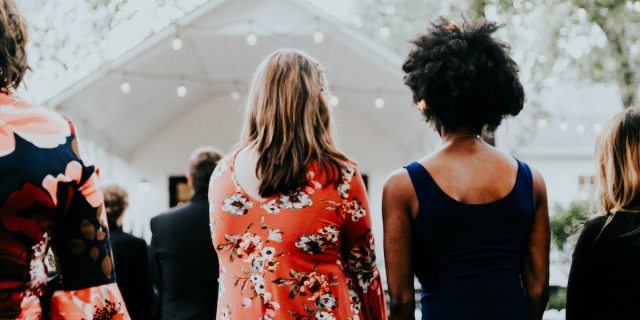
x=384 y=32
x=564 y=126
x=176 y=43
x=125 y=87
x=252 y=39
x=379 y=103
x=235 y=95
x=318 y=37
x=580 y=128
x=597 y=127
x=181 y=91
x=334 y=101
x=542 y=123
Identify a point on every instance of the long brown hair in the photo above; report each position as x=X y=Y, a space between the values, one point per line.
x=13 y=43
x=288 y=123
x=618 y=152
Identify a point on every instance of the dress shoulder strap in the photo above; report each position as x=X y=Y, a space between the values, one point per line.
x=423 y=184
x=525 y=180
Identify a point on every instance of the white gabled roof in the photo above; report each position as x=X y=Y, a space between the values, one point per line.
x=216 y=59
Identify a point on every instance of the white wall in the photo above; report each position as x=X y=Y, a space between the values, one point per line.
x=561 y=174
x=217 y=123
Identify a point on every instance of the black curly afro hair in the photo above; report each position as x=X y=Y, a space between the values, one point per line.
x=465 y=77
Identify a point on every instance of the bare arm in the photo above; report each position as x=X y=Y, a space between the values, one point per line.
x=397 y=201
x=536 y=262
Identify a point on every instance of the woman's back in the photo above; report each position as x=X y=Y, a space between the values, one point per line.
x=604 y=278
x=471 y=252
x=305 y=254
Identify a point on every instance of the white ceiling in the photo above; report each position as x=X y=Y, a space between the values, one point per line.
x=216 y=59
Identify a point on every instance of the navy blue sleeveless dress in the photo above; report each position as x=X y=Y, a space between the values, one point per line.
x=468 y=257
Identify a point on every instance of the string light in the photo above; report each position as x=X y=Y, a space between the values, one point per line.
x=542 y=123
x=176 y=43
x=334 y=101
x=252 y=39
x=580 y=128
x=181 y=91
x=235 y=95
x=597 y=127
x=379 y=103
x=564 y=126
x=318 y=37
x=384 y=32
x=125 y=87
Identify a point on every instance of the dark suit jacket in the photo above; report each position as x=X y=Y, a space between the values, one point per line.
x=132 y=272
x=184 y=263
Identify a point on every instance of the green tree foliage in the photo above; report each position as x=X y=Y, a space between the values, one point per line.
x=566 y=222
x=581 y=41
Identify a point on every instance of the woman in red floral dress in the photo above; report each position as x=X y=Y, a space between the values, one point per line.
x=289 y=213
x=48 y=199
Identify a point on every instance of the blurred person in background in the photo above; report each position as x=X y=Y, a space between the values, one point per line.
x=184 y=264
x=604 y=277
x=289 y=214
x=470 y=221
x=129 y=256
x=48 y=198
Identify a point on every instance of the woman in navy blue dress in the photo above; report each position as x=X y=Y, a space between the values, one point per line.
x=469 y=221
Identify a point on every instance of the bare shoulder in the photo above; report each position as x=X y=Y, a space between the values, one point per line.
x=398 y=193
x=538 y=180
x=539 y=186
x=398 y=182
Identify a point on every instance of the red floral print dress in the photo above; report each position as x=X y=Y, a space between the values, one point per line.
x=49 y=200
x=305 y=255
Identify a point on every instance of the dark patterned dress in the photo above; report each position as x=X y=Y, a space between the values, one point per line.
x=49 y=202
x=305 y=255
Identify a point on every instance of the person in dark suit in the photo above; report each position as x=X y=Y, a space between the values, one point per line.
x=183 y=261
x=129 y=256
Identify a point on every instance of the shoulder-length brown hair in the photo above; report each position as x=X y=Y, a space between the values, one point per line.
x=618 y=153
x=13 y=43
x=288 y=123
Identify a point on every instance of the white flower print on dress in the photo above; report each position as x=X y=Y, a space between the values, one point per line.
x=326 y=237
x=249 y=247
x=225 y=314
x=246 y=303
x=323 y=315
x=295 y=200
x=270 y=307
x=275 y=235
x=37 y=268
x=268 y=253
x=237 y=204
x=331 y=233
x=327 y=302
x=221 y=168
x=258 y=283
x=257 y=265
x=271 y=206
x=348 y=173
x=343 y=189
x=311 y=243
x=344 y=186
